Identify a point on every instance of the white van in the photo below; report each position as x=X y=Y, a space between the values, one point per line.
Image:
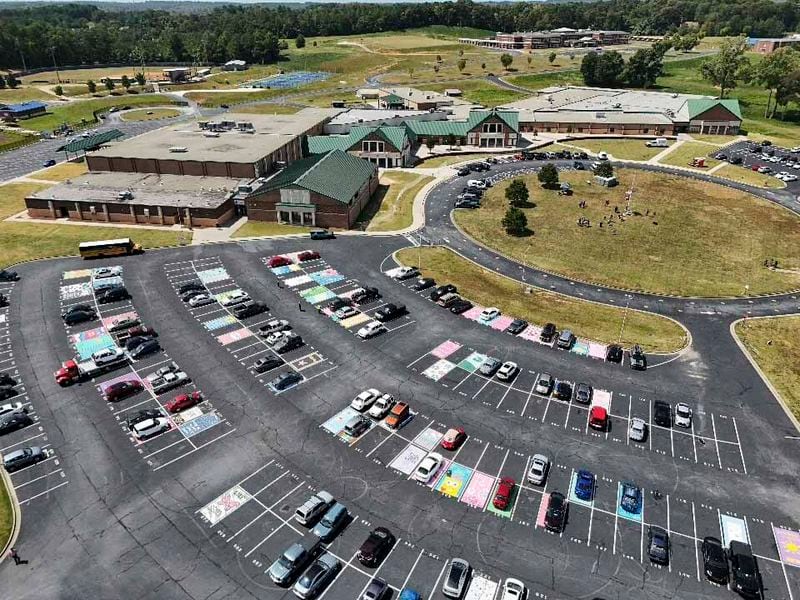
x=313 y=508
x=657 y=143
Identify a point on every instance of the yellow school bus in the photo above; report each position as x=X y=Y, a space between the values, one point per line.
x=103 y=248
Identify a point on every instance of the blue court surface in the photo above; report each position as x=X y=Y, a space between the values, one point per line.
x=337 y=422
x=199 y=424
x=281 y=270
x=219 y=322
x=213 y=275
x=624 y=514
x=288 y=80
x=326 y=277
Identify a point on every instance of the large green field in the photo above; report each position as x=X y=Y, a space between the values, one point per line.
x=586 y=319
x=479 y=91
x=686 y=237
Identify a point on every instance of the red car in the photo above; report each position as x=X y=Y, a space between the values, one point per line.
x=598 y=418
x=278 y=261
x=308 y=255
x=184 y=401
x=502 y=497
x=453 y=438
x=755 y=167
x=123 y=389
x=142 y=331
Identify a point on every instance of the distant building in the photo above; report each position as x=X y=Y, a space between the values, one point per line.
x=769 y=45
x=25 y=110
x=557 y=38
x=496 y=128
x=176 y=74
x=373 y=117
x=408 y=98
x=235 y=65
x=386 y=146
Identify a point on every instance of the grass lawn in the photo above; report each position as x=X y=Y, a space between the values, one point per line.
x=774 y=344
x=268 y=109
x=451 y=159
x=535 y=81
x=75 y=112
x=83 y=75
x=686 y=152
x=6 y=515
x=213 y=99
x=11 y=139
x=699 y=239
x=586 y=319
x=12 y=196
x=392 y=208
x=62 y=171
x=748 y=176
x=720 y=140
x=152 y=114
x=479 y=91
x=256 y=228
x=619 y=149
x=24 y=94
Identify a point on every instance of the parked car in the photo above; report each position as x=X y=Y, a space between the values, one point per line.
x=79 y=316
x=268 y=363
x=331 y=522
x=566 y=339
x=278 y=261
x=235 y=297
x=272 y=326
x=658 y=545
x=191 y=287
x=357 y=425
x=142 y=331
x=313 y=508
x=583 y=393
x=423 y=283
x=637 y=430
x=715 y=563
x=292 y=562
x=404 y=273
x=489 y=314
x=14 y=420
x=8 y=391
x=537 y=473
x=514 y=589
x=460 y=306
x=371 y=329
x=614 y=353
x=23 y=457
x=544 y=384
x=317 y=576
x=683 y=415
x=429 y=466
x=398 y=415
x=112 y=294
x=284 y=381
x=288 y=343
x=365 y=295
x=598 y=418
x=563 y=391
x=184 y=401
x=584 y=485
x=453 y=439
x=440 y=291
x=345 y=313
x=507 y=371
x=638 y=359
x=376 y=589
x=148 y=347
x=456 y=578
x=505 y=490
x=548 y=333
x=122 y=389
x=662 y=413
x=187 y=297
x=322 y=234
x=517 y=326
x=381 y=407
x=6 y=379
x=375 y=548
x=365 y=399
x=489 y=367
x=390 y=312
x=150 y=427
x=201 y=299
x=556 y=515
x=252 y=309
x=745 y=579
x=631 y=497
x=308 y=255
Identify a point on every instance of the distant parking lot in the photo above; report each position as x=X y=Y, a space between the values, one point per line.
x=769 y=159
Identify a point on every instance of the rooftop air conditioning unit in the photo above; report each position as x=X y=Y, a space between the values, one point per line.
x=674 y=95
x=178 y=149
x=126 y=195
x=617 y=105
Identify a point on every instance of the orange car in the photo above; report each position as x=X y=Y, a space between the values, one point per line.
x=398 y=416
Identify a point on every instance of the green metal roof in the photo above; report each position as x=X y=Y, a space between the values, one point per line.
x=395 y=135
x=701 y=105
x=509 y=117
x=394 y=99
x=93 y=141
x=322 y=144
x=336 y=175
x=460 y=128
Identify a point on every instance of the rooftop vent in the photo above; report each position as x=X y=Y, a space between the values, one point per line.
x=178 y=149
x=674 y=95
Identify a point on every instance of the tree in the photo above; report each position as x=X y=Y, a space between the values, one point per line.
x=12 y=81
x=126 y=83
x=608 y=72
x=462 y=64
x=140 y=78
x=517 y=193
x=529 y=58
x=506 y=59
x=430 y=143
x=2 y=83
x=728 y=66
x=438 y=58
x=451 y=140
x=772 y=70
x=552 y=58
x=643 y=68
x=604 y=169
x=410 y=72
x=109 y=84
x=300 y=41
x=483 y=66
x=788 y=90
x=589 y=69
x=461 y=52
x=92 y=86
x=548 y=175
x=515 y=222
x=58 y=90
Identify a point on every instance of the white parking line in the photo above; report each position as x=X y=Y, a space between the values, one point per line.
x=739 y=444
x=436 y=584
x=716 y=443
x=284 y=522
x=414 y=566
x=47 y=491
x=22 y=485
x=193 y=450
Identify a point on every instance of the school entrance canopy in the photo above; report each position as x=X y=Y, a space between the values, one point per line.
x=92 y=142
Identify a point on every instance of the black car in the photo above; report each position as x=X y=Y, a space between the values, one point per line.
x=548 y=333
x=715 y=563
x=463 y=171
x=79 y=316
x=662 y=413
x=638 y=359
x=539 y=156
x=578 y=166
x=262 y=365
x=135 y=341
x=517 y=326
x=721 y=156
x=8 y=275
x=766 y=143
x=145 y=348
x=735 y=160
x=192 y=286
x=114 y=294
x=249 y=310
x=376 y=547
x=614 y=353
x=8 y=391
x=745 y=579
x=322 y=234
x=285 y=381
x=143 y=415
x=186 y=296
x=556 y=513
x=563 y=391
x=658 y=545
x=440 y=291
x=423 y=283
x=389 y=312
x=78 y=308
x=367 y=294
x=461 y=306
x=335 y=305
x=3 y=300
x=288 y=343
x=6 y=379
x=583 y=393
x=24 y=457
x=451 y=301
x=13 y=421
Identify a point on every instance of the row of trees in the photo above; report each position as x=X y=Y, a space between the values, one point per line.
x=85 y=34
x=609 y=69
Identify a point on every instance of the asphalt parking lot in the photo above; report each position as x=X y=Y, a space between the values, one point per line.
x=750 y=159
x=228 y=503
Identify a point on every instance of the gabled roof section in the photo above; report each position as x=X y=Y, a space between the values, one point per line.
x=395 y=135
x=336 y=175
x=393 y=99
x=509 y=117
x=699 y=106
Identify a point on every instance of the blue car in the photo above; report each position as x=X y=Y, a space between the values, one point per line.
x=584 y=485
x=409 y=594
x=631 y=500
x=49 y=163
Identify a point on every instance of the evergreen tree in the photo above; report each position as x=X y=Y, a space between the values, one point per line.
x=548 y=175
x=517 y=193
x=515 y=222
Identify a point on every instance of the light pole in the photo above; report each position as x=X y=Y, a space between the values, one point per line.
x=55 y=65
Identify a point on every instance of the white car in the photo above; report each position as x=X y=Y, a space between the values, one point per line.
x=107 y=355
x=514 y=589
x=476 y=183
x=10 y=407
x=683 y=415
x=201 y=300
x=487 y=314
x=272 y=326
x=507 y=371
x=602 y=156
x=365 y=399
x=428 y=467
x=540 y=465
x=382 y=406
x=345 y=312
x=150 y=427
x=104 y=272
x=371 y=330
x=406 y=273
x=788 y=178
x=637 y=430
x=235 y=297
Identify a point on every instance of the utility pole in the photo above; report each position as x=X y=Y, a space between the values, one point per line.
x=55 y=65
x=21 y=54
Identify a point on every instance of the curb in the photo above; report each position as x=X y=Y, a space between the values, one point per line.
x=758 y=370
x=16 y=513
